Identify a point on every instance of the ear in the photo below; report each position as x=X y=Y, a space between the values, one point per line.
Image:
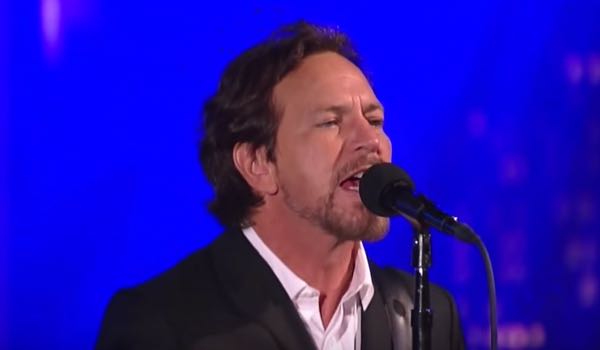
x=255 y=168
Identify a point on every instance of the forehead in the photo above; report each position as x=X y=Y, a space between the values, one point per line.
x=323 y=79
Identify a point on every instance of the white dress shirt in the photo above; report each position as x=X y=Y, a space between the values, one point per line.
x=343 y=331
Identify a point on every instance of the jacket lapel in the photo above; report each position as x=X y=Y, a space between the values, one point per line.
x=375 y=327
x=256 y=292
x=397 y=303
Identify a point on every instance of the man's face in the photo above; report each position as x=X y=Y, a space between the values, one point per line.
x=330 y=132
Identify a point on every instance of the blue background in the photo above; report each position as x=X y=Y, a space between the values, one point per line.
x=493 y=107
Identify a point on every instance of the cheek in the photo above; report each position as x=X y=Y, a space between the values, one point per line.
x=308 y=163
x=295 y=154
x=315 y=163
x=386 y=148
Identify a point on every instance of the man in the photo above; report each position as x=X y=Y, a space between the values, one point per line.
x=292 y=127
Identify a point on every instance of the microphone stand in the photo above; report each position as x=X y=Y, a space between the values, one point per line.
x=421 y=315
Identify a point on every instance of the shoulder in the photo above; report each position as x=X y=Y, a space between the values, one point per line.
x=193 y=276
x=187 y=276
x=396 y=279
x=398 y=290
x=178 y=301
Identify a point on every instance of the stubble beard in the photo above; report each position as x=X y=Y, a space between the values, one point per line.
x=356 y=224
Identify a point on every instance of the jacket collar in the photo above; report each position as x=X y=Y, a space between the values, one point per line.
x=256 y=292
x=258 y=295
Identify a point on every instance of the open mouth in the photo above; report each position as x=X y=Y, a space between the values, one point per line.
x=351 y=183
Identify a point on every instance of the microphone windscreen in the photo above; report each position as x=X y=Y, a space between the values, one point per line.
x=375 y=183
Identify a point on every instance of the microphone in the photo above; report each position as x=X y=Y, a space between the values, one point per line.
x=387 y=190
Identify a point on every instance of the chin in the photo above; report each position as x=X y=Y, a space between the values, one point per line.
x=358 y=225
x=377 y=230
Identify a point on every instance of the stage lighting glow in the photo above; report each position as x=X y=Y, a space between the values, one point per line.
x=50 y=15
x=594 y=69
x=574 y=69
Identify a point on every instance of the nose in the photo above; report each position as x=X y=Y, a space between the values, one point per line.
x=366 y=137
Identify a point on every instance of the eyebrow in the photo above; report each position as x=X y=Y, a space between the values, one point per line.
x=376 y=106
x=341 y=109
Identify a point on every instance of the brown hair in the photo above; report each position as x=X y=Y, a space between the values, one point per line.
x=242 y=111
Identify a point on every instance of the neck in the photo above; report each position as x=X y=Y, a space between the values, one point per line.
x=320 y=259
x=317 y=257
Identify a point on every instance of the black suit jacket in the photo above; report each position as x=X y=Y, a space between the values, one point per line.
x=226 y=297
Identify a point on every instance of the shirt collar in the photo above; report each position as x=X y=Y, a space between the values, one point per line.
x=361 y=282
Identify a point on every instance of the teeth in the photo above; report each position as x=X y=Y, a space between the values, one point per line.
x=359 y=175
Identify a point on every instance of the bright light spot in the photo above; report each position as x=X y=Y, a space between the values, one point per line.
x=580 y=253
x=513 y=169
x=562 y=208
x=462 y=263
x=477 y=124
x=594 y=69
x=513 y=336
x=50 y=17
x=510 y=336
x=574 y=69
x=513 y=267
x=537 y=335
x=586 y=208
x=588 y=290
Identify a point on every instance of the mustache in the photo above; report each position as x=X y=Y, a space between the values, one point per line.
x=363 y=162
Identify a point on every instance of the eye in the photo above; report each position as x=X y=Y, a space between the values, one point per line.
x=376 y=122
x=330 y=123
